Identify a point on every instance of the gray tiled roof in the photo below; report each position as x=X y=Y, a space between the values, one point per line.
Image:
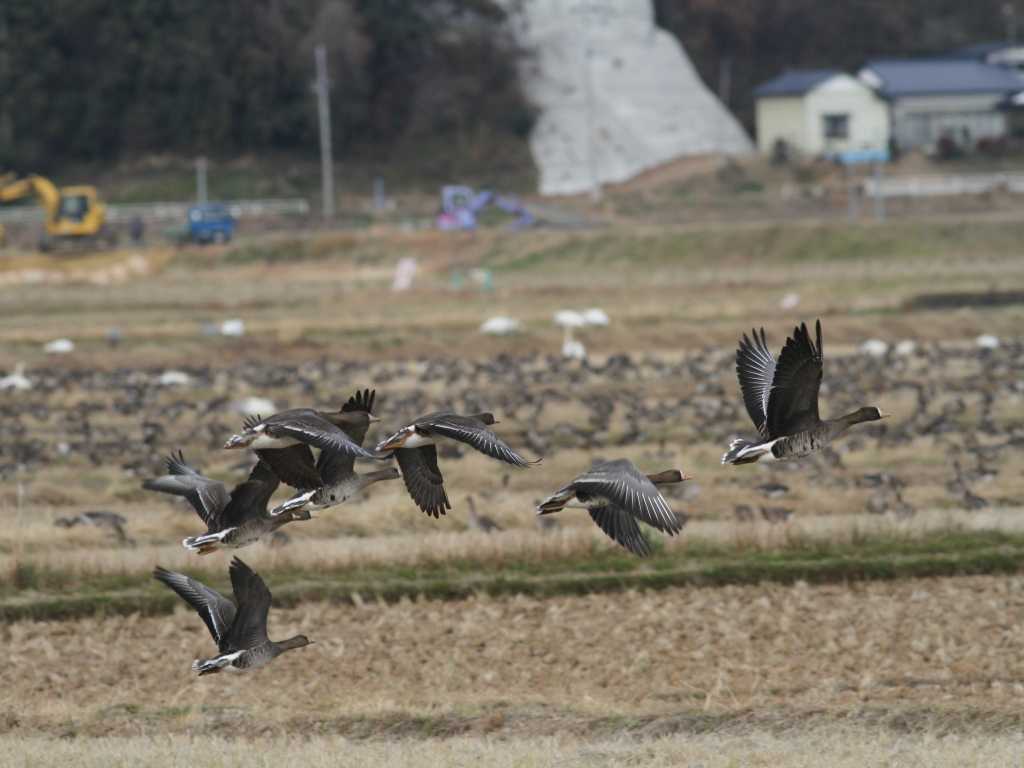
x=794 y=82
x=911 y=77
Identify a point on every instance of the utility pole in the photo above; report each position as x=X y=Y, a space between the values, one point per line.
x=201 y=166
x=6 y=119
x=725 y=80
x=595 y=181
x=324 y=111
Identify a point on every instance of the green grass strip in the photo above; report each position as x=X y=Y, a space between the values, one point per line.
x=51 y=595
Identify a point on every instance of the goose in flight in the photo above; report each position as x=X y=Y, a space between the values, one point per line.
x=239 y=628
x=283 y=441
x=782 y=399
x=234 y=519
x=332 y=479
x=617 y=494
x=415 y=450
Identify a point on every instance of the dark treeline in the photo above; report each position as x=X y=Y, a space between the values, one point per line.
x=93 y=80
x=85 y=80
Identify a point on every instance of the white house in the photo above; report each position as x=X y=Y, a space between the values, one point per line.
x=958 y=99
x=820 y=112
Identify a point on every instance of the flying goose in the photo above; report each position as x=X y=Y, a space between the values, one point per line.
x=234 y=519
x=782 y=399
x=414 y=448
x=617 y=494
x=333 y=479
x=283 y=441
x=240 y=633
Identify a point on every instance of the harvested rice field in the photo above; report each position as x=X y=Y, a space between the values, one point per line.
x=862 y=607
x=714 y=674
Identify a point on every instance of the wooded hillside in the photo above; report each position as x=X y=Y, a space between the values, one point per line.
x=91 y=80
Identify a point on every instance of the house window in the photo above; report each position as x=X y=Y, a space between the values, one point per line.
x=837 y=126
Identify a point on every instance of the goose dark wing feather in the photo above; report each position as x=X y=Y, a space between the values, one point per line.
x=216 y=611
x=362 y=400
x=624 y=486
x=793 y=403
x=249 y=629
x=755 y=368
x=334 y=466
x=208 y=497
x=309 y=427
x=475 y=433
x=294 y=466
x=249 y=499
x=620 y=526
x=252 y=421
x=423 y=479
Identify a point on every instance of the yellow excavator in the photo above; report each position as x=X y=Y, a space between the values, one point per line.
x=73 y=215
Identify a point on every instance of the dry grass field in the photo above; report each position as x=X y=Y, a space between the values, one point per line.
x=757 y=637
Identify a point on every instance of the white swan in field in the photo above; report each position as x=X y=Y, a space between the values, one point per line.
x=17 y=380
x=500 y=326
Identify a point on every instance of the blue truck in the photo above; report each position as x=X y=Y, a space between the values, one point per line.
x=210 y=223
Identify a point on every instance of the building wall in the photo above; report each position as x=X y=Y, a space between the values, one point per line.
x=868 y=116
x=920 y=121
x=800 y=121
x=780 y=118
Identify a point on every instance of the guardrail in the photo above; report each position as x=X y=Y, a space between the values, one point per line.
x=940 y=185
x=240 y=209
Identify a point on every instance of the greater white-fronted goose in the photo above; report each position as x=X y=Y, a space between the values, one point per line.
x=234 y=519
x=414 y=448
x=782 y=399
x=617 y=494
x=333 y=479
x=284 y=440
x=240 y=632
x=480 y=522
x=99 y=519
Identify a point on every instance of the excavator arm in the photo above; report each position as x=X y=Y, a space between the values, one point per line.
x=42 y=188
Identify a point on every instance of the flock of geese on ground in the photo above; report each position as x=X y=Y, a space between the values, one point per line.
x=955 y=397
x=780 y=396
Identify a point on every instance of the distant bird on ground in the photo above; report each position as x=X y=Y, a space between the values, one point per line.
x=480 y=522
x=617 y=494
x=234 y=519
x=782 y=399
x=888 y=500
x=278 y=539
x=100 y=519
x=743 y=513
x=773 y=490
x=546 y=524
x=333 y=480
x=240 y=632
x=17 y=380
x=960 y=490
x=415 y=449
x=776 y=514
x=283 y=440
